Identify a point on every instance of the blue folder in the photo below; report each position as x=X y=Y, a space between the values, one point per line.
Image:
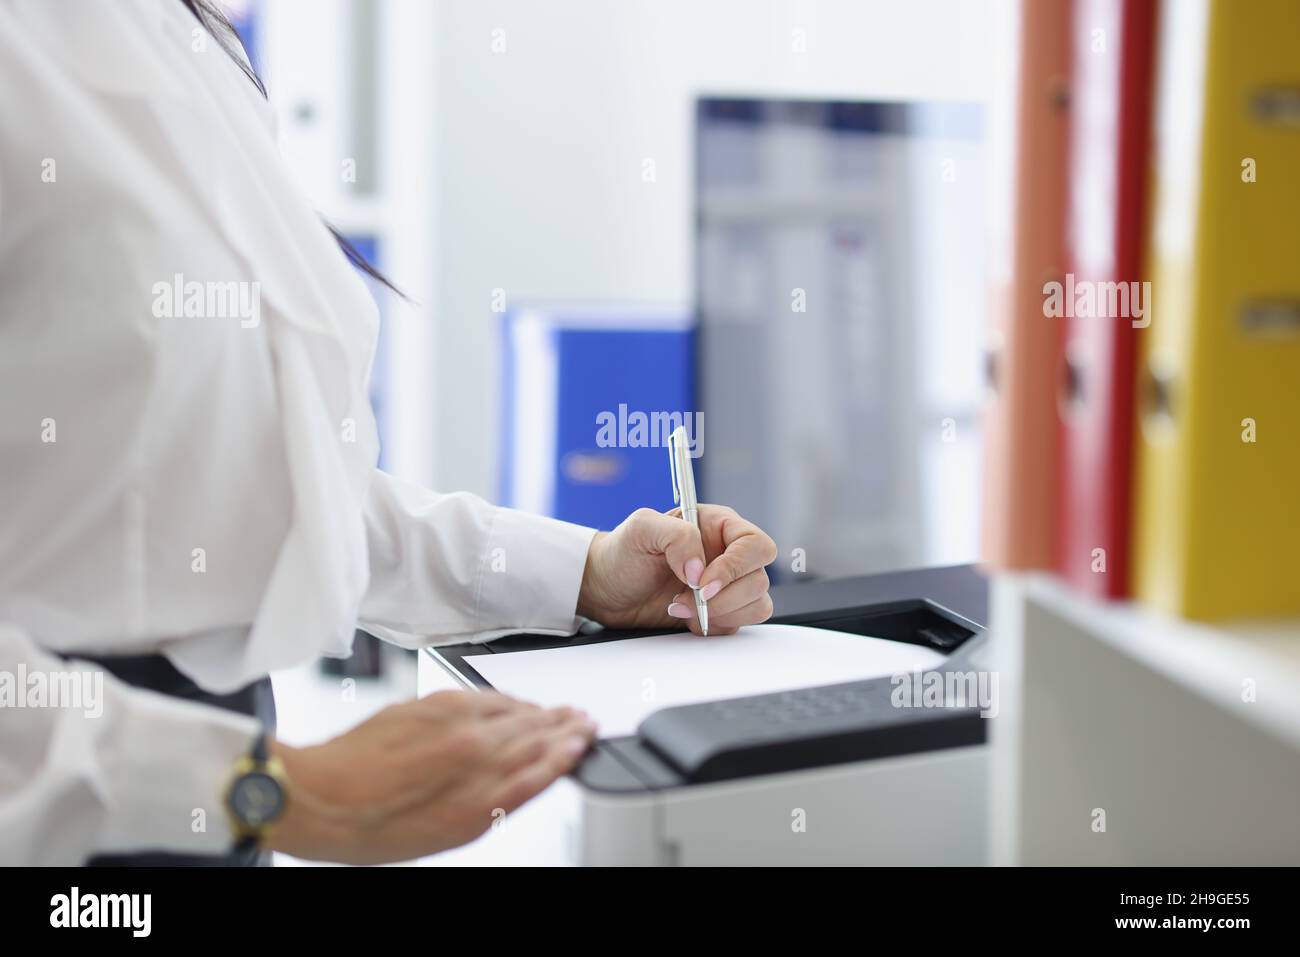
x=590 y=395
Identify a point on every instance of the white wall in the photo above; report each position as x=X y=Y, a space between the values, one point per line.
x=539 y=149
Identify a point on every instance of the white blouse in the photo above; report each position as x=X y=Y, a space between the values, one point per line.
x=187 y=453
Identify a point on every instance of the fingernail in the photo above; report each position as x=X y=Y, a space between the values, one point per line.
x=678 y=610
x=575 y=746
x=711 y=589
x=694 y=569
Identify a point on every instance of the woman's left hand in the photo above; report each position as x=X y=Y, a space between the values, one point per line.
x=638 y=575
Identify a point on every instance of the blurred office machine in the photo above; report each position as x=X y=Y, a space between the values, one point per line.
x=350 y=83
x=1028 y=144
x=321 y=63
x=591 y=394
x=1110 y=119
x=340 y=77
x=840 y=285
x=1217 y=514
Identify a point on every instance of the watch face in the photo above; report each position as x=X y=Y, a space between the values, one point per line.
x=256 y=799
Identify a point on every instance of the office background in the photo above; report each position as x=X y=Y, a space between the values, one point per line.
x=785 y=217
x=506 y=156
x=521 y=171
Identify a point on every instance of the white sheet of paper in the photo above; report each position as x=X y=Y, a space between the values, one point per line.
x=621 y=682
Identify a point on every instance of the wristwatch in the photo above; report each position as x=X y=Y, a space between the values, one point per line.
x=257 y=796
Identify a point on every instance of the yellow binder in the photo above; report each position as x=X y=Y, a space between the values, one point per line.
x=1217 y=510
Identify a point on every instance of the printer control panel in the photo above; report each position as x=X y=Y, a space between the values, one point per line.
x=810 y=727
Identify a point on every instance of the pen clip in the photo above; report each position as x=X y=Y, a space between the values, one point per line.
x=672 y=467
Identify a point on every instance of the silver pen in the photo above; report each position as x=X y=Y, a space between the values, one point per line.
x=679 y=460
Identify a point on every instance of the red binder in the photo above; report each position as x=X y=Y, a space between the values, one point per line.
x=1110 y=122
x=1026 y=251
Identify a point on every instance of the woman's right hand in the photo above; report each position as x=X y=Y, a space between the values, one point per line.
x=423 y=776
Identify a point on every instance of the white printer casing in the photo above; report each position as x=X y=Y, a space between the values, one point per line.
x=921 y=809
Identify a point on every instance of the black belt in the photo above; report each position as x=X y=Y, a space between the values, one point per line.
x=156 y=673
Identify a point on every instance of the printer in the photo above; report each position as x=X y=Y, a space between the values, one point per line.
x=843 y=774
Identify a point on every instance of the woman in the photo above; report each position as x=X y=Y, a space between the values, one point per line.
x=188 y=463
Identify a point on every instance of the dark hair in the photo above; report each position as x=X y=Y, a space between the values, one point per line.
x=223 y=31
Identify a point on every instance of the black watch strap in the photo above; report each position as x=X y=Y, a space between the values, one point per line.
x=259 y=752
